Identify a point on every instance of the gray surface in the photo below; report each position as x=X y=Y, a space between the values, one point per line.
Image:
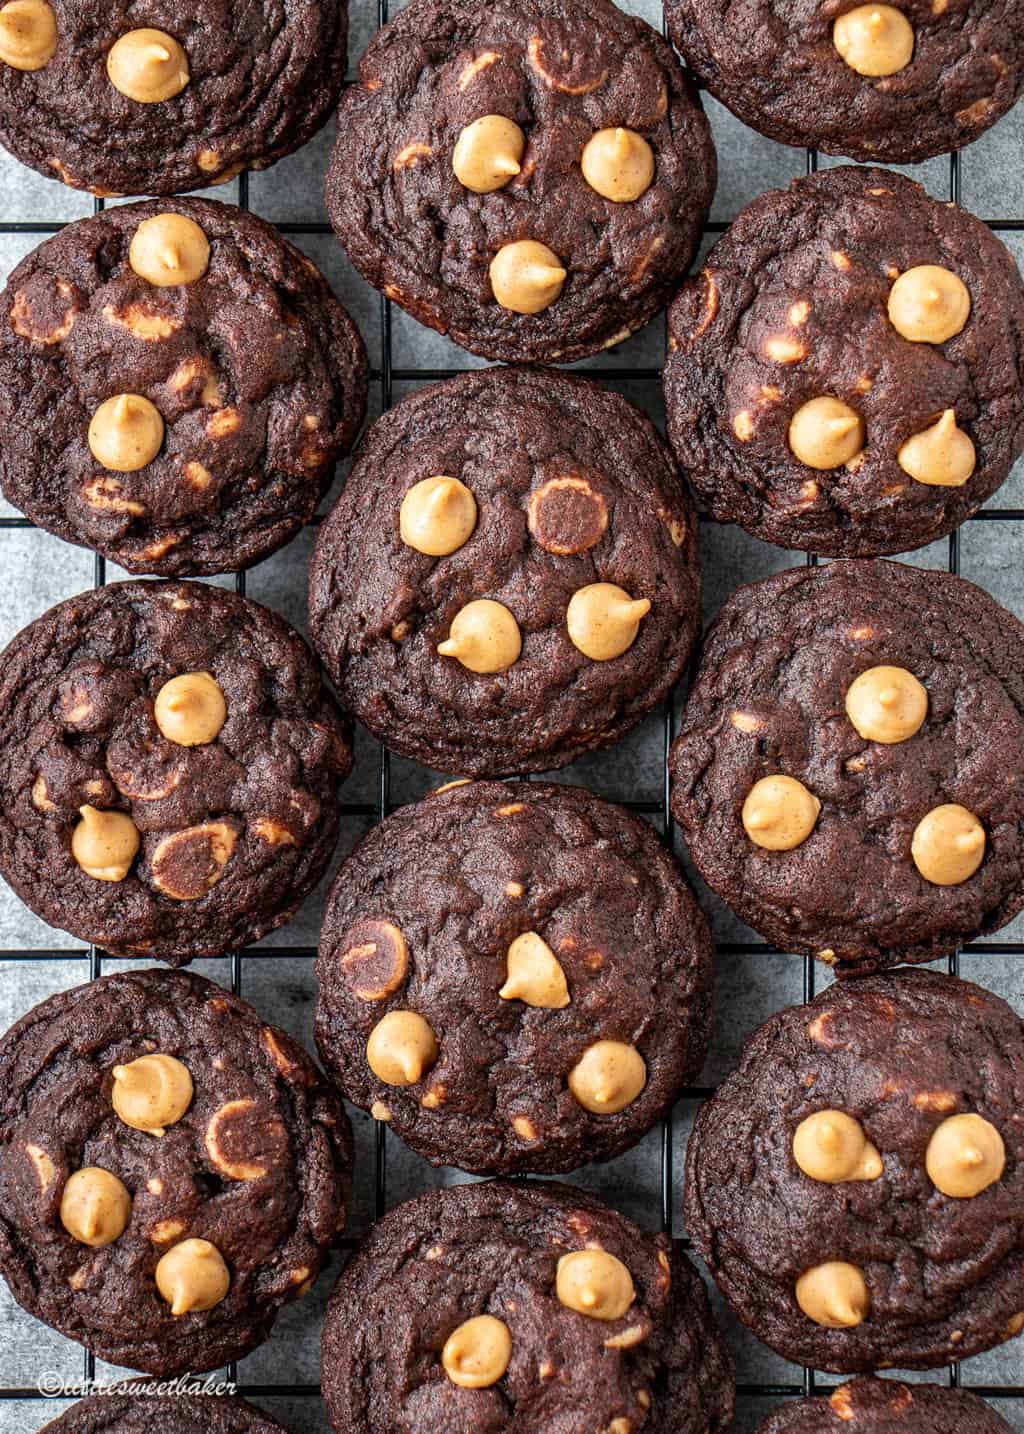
x=37 y=571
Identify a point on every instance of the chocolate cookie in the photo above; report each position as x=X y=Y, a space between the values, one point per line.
x=856 y=1185
x=188 y=97
x=847 y=775
x=177 y=383
x=530 y=177
x=516 y=976
x=869 y=81
x=168 y=769
x=880 y=1406
x=183 y=1414
x=485 y=1308
x=172 y=1170
x=847 y=375
x=510 y=576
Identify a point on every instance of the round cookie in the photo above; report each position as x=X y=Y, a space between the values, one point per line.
x=168 y=769
x=144 y=1414
x=873 y=82
x=535 y=604
x=881 y=1406
x=177 y=383
x=175 y=98
x=403 y=1346
x=819 y=1177
x=231 y=1154
x=789 y=668
x=529 y=177
x=556 y=957
x=846 y=375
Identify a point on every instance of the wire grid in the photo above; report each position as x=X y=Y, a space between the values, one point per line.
x=387 y=376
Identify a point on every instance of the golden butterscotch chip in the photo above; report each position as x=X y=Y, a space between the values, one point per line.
x=607 y=1077
x=95 y=1207
x=874 y=40
x=832 y=1147
x=28 y=34
x=375 y=959
x=437 y=516
x=826 y=433
x=526 y=276
x=942 y=456
x=126 y=433
x=169 y=249
x=603 y=620
x=566 y=515
x=779 y=813
x=152 y=1092
x=594 y=1283
x=484 y=637
x=929 y=304
x=834 y=1294
x=189 y=863
x=104 y=843
x=948 y=845
x=192 y=1276
x=886 y=704
x=402 y=1048
x=477 y=1354
x=190 y=710
x=965 y=1156
x=487 y=153
x=148 y=66
x=535 y=975
x=618 y=164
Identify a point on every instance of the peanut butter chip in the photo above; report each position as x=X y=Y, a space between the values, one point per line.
x=948 y=845
x=603 y=620
x=618 y=164
x=375 y=959
x=526 y=276
x=169 y=249
x=104 y=844
x=151 y=1093
x=28 y=34
x=402 y=1048
x=965 y=1156
x=607 y=1077
x=126 y=433
x=192 y=1276
x=834 y=1294
x=929 y=304
x=438 y=516
x=534 y=974
x=779 y=813
x=484 y=637
x=874 y=40
x=826 y=433
x=190 y=710
x=245 y=1140
x=148 y=66
x=477 y=1354
x=95 y=1207
x=487 y=153
x=942 y=456
x=831 y=1146
x=189 y=863
x=886 y=704
x=567 y=516
x=594 y=1283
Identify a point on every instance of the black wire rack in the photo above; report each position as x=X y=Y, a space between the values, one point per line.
x=387 y=376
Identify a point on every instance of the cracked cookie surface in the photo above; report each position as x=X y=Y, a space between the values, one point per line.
x=145 y=1414
x=881 y=1406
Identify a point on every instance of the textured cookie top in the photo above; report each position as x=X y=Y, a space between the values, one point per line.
x=244 y=381
x=880 y=1406
x=905 y=1058
x=562 y=73
x=649 y=1359
x=251 y=1158
x=184 y=1414
x=557 y=956
x=169 y=768
x=800 y=302
x=773 y=698
x=553 y=486
x=222 y=86
x=779 y=65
